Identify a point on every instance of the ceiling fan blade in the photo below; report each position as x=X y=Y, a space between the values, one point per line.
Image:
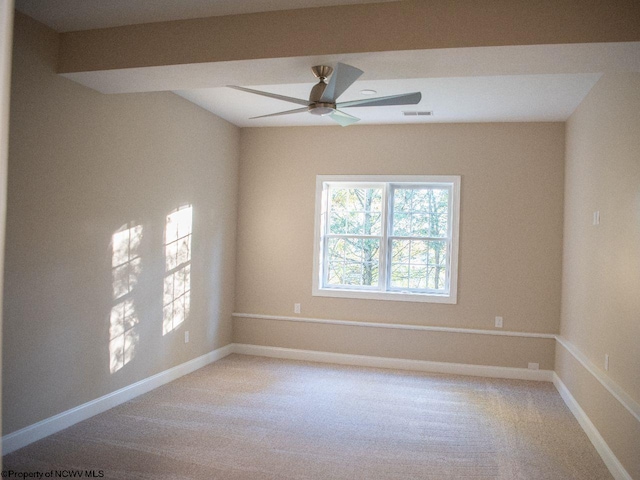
x=341 y=79
x=402 y=99
x=343 y=119
x=299 y=101
x=288 y=112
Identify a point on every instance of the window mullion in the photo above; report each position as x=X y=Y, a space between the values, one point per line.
x=381 y=251
x=325 y=261
x=450 y=238
x=388 y=208
x=431 y=239
x=325 y=240
x=348 y=235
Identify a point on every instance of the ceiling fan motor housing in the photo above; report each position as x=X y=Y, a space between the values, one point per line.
x=317 y=107
x=321 y=109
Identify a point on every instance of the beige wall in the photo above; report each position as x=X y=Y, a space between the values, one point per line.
x=601 y=271
x=448 y=347
x=391 y=26
x=510 y=232
x=81 y=165
x=6 y=29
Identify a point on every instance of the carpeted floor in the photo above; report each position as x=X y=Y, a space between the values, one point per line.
x=256 y=418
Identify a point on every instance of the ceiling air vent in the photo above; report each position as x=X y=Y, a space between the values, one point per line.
x=418 y=114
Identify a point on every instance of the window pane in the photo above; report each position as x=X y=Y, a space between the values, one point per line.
x=418 y=264
x=420 y=212
x=401 y=224
x=353 y=261
x=336 y=272
x=438 y=253
x=400 y=276
x=355 y=211
x=400 y=251
x=418 y=277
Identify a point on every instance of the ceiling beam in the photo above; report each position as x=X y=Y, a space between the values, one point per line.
x=347 y=29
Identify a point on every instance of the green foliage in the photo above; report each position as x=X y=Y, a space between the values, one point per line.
x=416 y=264
x=355 y=211
x=420 y=212
x=419 y=264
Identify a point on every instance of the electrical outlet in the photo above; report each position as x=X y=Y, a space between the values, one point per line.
x=498 y=322
x=296 y=308
x=533 y=366
x=606 y=361
x=186 y=336
x=596 y=217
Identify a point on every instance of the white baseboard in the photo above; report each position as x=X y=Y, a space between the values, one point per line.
x=51 y=425
x=399 y=363
x=610 y=460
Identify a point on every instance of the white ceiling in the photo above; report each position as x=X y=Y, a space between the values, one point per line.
x=517 y=98
x=483 y=84
x=73 y=15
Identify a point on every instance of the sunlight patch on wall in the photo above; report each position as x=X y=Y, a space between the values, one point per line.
x=177 y=280
x=125 y=270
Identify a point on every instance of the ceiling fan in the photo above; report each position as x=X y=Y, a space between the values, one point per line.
x=323 y=98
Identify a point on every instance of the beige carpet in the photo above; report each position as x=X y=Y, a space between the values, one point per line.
x=256 y=418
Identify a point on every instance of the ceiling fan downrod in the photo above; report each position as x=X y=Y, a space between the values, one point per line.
x=317 y=107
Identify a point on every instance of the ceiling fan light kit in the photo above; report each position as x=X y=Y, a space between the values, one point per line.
x=323 y=97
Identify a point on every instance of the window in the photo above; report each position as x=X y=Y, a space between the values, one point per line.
x=177 y=279
x=391 y=238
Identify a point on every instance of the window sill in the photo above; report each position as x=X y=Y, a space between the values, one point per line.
x=393 y=296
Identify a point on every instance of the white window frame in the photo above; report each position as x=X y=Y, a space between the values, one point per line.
x=388 y=183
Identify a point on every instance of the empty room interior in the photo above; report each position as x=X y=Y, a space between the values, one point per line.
x=321 y=239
